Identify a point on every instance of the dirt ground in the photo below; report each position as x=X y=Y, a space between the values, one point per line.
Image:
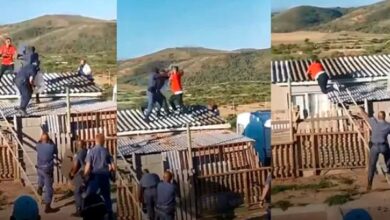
x=63 y=200
x=227 y=110
x=330 y=197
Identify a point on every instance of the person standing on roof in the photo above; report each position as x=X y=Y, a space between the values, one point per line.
x=36 y=64
x=85 y=70
x=24 y=81
x=317 y=72
x=176 y=100
x=8 y=54
x=98 y=168
x=46 y=153
x=379 y=145
x=155 y=83
x=77 y=177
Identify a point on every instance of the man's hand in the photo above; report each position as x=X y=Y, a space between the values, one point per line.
x=71 y=176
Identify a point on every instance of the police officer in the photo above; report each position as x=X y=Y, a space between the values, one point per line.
x=166 y=198
x=379 y=144
x=47 y=152
x=24 y=82
x=148 y=192
x=76 y=175
x=98 y=168
x=155 y=83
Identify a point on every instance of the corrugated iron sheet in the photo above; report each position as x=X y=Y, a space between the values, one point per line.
x=58 y=107
x=177 y=141
x=340 y=67
x=56 y=83
x=373 y=91
x=134 y=120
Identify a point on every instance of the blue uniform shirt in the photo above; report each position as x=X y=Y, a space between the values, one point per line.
x=46 y=154
x=149 y=180
x=166 y=194
x=152 y=82
x=99 y=158
x=380 y=131
x=25 y=73
x=80 y=159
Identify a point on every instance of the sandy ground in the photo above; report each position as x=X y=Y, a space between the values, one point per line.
x=309 y=204
x=227 y=110
x=63 y=201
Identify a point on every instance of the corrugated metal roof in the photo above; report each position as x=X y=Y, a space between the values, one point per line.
x=56 y=84
x=145 y=144
x=373 y=91
x=132 y=121
x=58 y=107
x=340 y=67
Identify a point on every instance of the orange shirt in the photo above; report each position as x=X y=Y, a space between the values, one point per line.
x=315 y=69
x=7 y=54
x=176 y=83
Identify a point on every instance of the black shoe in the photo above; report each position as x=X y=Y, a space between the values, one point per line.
x=39 y=191
x=49 y=209
x=147 y=120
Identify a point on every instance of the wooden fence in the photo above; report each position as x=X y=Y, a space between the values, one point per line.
x=321 y=144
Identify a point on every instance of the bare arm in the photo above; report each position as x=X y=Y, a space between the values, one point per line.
x=87 y=169
x=75 y=169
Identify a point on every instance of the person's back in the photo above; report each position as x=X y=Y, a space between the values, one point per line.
x=46 y=153
x=166 y=194
x=380 y=130
x=152 y=82
x=149 y=180
x=99 y=159
x=315 y=68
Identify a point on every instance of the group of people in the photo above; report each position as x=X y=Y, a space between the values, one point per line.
x=91 y=173
x=158 y=197
x=25 y=64
x=156 y=82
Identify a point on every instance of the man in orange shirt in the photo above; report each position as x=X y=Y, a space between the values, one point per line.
x=176 y=100
x=8 y=54
x=316 y=71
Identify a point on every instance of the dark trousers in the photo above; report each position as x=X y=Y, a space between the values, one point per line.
x=5 y=68
x=176 y=101
x=375 y=150
x=323 y=82
x=150 y=197
x=45 y=180
x=25 y=92
x=156 y=98
x=100 y=182
x=165 y=213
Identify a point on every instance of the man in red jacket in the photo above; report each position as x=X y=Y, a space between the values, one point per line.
x=176 y=100
x=316 y=71
x=8 y=54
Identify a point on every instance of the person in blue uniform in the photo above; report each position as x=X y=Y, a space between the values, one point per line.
x=46 y=154
x=148 y=192
x=98 y=168
x=76 y=175
x=166 y=198
x=24 y=81
x=36 y=64
x=155 y=83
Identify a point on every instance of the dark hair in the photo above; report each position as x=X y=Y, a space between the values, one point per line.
x=33 y=49
x=156 y=70
x=176 y=68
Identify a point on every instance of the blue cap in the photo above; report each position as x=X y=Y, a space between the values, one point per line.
x=357 y=214
x=25 y=208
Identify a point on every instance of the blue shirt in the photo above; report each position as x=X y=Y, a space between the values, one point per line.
x=80 y=159
x=23 y=75
x=46 y=154
x=149 y=180
x=99 y=158
x=152 y=82
x=166 y=194
x=380 y=131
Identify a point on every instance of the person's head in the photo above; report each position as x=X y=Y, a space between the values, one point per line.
x=381 y=115
x=99 y=139
x=167 y=176
x=315 y=60
x=44 y=138
x=175 y=69
x=83 y=61
x=33 y=49
x=156 y=70
x=8 y=41
x=80 y=144
x=25 y=208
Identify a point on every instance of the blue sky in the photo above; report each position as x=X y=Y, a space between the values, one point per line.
x=286 y=4
x=147 y=26
x=21 y=10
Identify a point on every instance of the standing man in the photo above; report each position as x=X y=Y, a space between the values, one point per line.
x=155 y=83
x=379 y=145
x=85 y=70
x=8 y=53
x=317 y=72
x=47 y=152
x=24 y=82
x=176 y=100
x=148 y=192
x=166 y=198
x=36 y=64
x=76 y=175
x=98 y=168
